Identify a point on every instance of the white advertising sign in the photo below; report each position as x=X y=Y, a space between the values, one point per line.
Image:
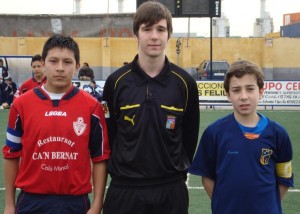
x=283 y=93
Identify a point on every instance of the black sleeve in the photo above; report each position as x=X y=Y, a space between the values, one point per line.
x=191 y=121
x=108 y=101
x=95 y=137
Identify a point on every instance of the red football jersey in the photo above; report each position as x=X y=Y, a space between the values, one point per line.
x=56 y=140
x=27 y=85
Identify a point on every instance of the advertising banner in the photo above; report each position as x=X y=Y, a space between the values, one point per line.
x=281 y=93
x=284 y=93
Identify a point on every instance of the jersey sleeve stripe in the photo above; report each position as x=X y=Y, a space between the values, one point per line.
x=13 y=132
x=13 y=138
x=15 y=146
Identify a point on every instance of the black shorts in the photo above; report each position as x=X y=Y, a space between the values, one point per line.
x=171 y=198
x=52 y=204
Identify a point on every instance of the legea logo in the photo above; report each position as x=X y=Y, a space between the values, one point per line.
x=55 y=114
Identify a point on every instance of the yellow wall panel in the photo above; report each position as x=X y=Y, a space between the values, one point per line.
x=112 y=52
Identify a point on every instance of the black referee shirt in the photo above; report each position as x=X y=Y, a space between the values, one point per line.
x=153 y=124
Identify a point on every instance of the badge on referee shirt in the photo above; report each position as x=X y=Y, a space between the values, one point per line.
x=171 y=120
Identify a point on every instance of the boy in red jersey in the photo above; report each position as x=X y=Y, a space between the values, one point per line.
x=52 y=140
x=37 y=79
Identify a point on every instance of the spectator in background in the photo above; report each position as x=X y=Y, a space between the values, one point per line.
x=86 y=73
x=9 y=89
x=4 y=74
x=3 y=70
x=38 y=77
x=94 y=90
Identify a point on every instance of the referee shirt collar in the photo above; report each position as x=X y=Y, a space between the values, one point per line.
x=141 y=77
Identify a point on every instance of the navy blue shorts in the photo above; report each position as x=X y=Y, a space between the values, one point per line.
x=50 y=204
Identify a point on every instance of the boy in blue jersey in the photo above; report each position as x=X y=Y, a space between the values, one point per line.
x=244 y=158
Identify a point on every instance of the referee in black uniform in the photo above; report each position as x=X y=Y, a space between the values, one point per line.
x=153 y=123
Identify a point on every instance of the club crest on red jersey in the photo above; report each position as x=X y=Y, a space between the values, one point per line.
x=79 y=126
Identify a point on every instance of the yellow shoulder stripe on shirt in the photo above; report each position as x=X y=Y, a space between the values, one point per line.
x=129 y=106
x=172 y=108
x=284 y=170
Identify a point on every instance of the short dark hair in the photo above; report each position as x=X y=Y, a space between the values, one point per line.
x=150 y=13
x=36 y=57
x=240 y=68
x=60 y=41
